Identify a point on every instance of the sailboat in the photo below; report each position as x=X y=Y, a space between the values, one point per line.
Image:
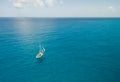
x=41 y=53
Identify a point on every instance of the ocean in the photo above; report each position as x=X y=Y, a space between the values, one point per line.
x=77 y=49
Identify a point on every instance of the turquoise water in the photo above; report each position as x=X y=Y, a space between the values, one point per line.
x=77 y=50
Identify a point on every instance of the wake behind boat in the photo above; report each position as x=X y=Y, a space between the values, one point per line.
x=40 y=54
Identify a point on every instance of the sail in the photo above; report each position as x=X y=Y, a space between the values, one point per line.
x=41 y=48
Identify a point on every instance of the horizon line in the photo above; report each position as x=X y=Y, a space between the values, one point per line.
x=65 y=17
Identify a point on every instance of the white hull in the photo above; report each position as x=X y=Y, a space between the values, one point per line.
x=40 y=54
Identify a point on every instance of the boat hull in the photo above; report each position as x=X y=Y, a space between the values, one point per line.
x=39 y=55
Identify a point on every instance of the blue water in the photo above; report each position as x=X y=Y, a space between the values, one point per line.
x=77 y=49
